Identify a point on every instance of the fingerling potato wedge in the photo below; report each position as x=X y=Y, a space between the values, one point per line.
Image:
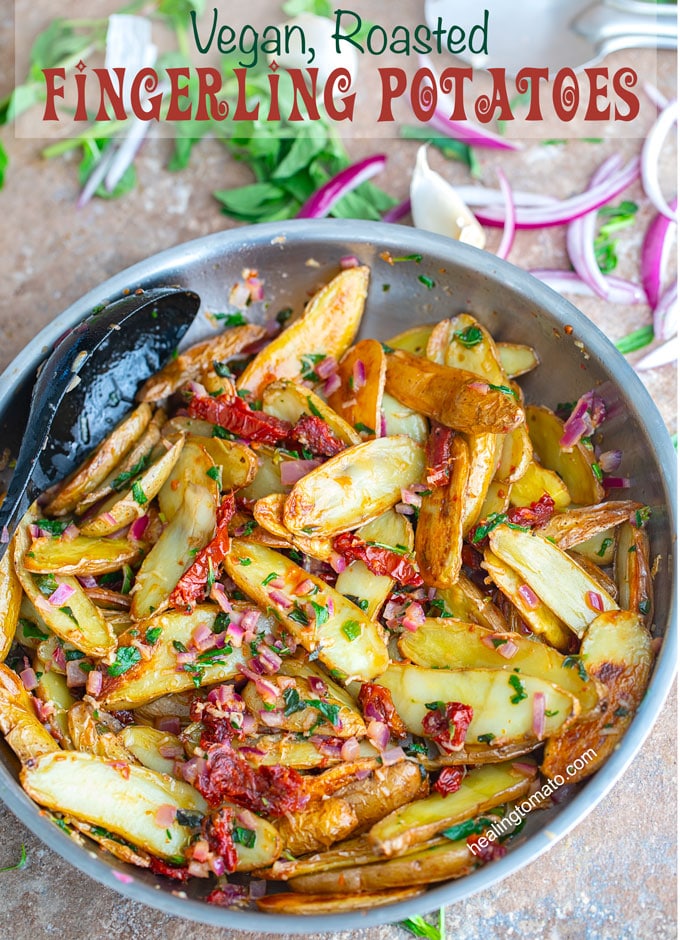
x=81 y=555
x=574 y=465
x=536 y=481
x=465 y=601
x=354 y=487
x=193 y=361
x=454 y=397
x=632 y=570
x=413 y=340
x=573 y=527
x=482 y=789
x=517 y=359
x=439 y=535
x=346 y=639
x=18 y=721
x=268 y=512
x=123 y=798
x=328 y=326
x=10 y=602
x=290 y=402
x=147 y=744
x=194 y=467
x=309 y=904
x=555 y=577
x=359 y=398
x=399 y=419
x=98 y=466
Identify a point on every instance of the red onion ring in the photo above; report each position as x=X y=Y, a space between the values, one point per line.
x=346 y=181
x=509 y=227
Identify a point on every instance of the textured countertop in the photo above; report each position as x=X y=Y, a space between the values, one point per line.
x=613 y=876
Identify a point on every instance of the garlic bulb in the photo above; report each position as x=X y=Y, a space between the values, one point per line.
x=437 y=207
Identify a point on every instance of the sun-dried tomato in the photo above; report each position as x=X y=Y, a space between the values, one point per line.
x=449 y=780
x=216 y=729
x=447 y=724
x=237 y=416
x=487 y=851
x=438 y=455
x=191 y=586
x=378 y=559
x=124 y=716
x=218 y=829
x=314 y=434
x=376 y=704
x=471 y=557
x=178 y=872
x=535 y=515
x=227 y=896
x=227 y=775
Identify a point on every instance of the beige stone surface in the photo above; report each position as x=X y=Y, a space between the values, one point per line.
x=614 y=875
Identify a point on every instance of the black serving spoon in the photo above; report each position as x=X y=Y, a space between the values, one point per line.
x=88 y=383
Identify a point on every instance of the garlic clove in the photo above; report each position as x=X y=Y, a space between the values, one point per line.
x=437 y=207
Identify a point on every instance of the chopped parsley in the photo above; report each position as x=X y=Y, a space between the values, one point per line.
x=272 y=576
x=504 y=388
x=518 y=686
x=215 y=473
x=313 y=409
x=597 y=472
x=53 y=526
x=152 y=635
x=321 y=613
x=284 y=315
x=470 y=336
x=68 y=611
x=46 y=584
x=244 y=836
x=244 y=562
x=128 y=578
x=642 y=516
x=298 y=615
x=351 y=629
x=126 y=657
x=360 y=426
x=330 y=712
x=222 y=433
x=644 y=606
x=570 y=661
x=230 y=319
x=186 y=818
x=223 y=370
x=292 y=703
x=360 y=602
x=179 y=646
x=439 y=607
x=30 y=631
x=427 y=281
x=127 y=475
x=138 y=494
x=486 y=738
x=603 y=548
x=308 y=364
x=416 y=258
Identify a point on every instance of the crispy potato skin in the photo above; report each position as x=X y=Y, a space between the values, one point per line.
x=18 y=722
x=451 y=396
x=192 y=362
x=104 y=459
x=328 y=325
x=573 y=526
x=617 y=652
x=10 y=602
x=439 y=536
x=318 y=826
x=385 y=790
x=360 y=404
x=311 y=904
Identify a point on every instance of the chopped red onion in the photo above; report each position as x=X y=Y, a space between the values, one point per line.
x=34 y=531
x=508 y=649
x=665 y=317
x=249 y=725
x=619 y=290
x=306 y=586
x=59 y=597
x=218 y=595
x=337 y=562
x=217 y=865
x=322 y=201
x=256 y=288
x=393 y=755
x=329 y=748
x=273 y=718
x=59 y=658
x=202 y=637
x=182 y=659
x=349 y=261
x=70 y=532
x=651 y=151
x=109 y=518
x=332 y=384
x=250 y=619
x=271 y=661
x=410 y=497
x=327 y=367
x=122 y=877
x=318 y=686
x=75 y=677
x=383 y=424
x=95 y=681
x=378 y=733
x=170 y=751
x=482 y=387
x=655 y=249
x=29 y=679
x=278 y=597
x=610 y=460
x=508 y=237
x=588 y=413
x=404 y=509
x=87 y=581
x=294 y=470
x=169 y=723
x=138 y=528
x=617 y=483
x=566 y=210
x=258 y=888
x=594 y=601
x=350 y=749
x=528 y=596
x=193 y=768
x=538 y=714
x=4 y=535
x=528 y=770
x=359 y=374
x=581 y=236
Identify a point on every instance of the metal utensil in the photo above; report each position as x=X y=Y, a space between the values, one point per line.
x=558 y=33
x=87 y=384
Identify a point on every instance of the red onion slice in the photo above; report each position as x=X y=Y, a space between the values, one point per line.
x=469 y=133
x=59 y=597
x=29 y=679
x=665 y=317
x=619 y=290
x=651 y=151
x=75 y=677
x=95 y=681
x=138 y=528
x=294 y=470
x=654 y=257
x=661 y=356
x=566 y=210
x=4 y=536
x=397 y=213
x=509 y=227
x=538 y=714
x=322 y=201
x=393 y=755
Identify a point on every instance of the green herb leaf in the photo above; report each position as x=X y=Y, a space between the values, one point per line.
x=518 y=686
x=351 y=629
x=470 y=336
x=20 y=864
x=313 y=409
x=292 y=703
x=603 y=548
x=30 y=631
x=330 y=712
x=244 y=836
x=360 y=426
x=186 y=817
x=152 y=635
x=138 y=494
x=638 y=339
x=46 y=583
x=126 y=657
x=55 y=527
x=127 y=475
